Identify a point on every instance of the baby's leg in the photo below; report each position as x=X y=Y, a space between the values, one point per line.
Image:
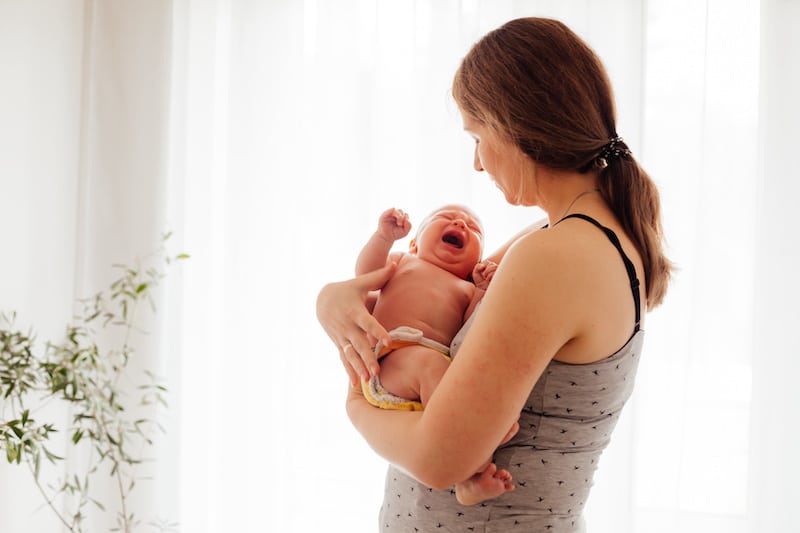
x=412 y=372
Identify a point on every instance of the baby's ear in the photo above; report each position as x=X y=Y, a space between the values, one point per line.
x=412 y=246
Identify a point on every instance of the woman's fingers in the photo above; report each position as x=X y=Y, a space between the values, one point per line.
x=363 y=349
x=369 y=330
x=342 y=311
x=361 y=342
x=351 y=373
x=356 y=369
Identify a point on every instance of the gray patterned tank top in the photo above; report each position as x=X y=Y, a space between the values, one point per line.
x=564 y=427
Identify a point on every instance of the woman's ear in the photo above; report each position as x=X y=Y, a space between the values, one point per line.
x=412 y=246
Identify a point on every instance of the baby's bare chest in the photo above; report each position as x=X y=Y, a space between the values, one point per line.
x=428 y=298
x=436 y=284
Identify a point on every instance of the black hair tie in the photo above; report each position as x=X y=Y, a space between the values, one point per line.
x=614 y=149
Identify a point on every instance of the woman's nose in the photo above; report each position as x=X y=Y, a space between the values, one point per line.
x=476 y=162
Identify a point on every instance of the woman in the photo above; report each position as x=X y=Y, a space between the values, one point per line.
x=556 y=341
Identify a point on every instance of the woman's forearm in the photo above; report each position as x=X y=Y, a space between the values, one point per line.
x=398 y=437
x=389 y=433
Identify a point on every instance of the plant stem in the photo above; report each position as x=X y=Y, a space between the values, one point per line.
x=115 y=460
x=47 y=498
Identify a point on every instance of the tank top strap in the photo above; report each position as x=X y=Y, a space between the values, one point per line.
x=634 y=280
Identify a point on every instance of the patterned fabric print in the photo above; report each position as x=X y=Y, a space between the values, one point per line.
x=564 y=427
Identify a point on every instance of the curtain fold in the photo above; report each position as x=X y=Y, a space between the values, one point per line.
x=39 y=161
x=774 y=435
x=268 y=136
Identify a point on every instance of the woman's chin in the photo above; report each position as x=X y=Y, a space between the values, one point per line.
x=513 y=199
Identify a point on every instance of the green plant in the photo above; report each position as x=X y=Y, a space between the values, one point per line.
x=88 y=371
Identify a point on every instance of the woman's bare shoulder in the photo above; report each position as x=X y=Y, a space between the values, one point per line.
x=579 y=289
x=541 y=248
x=573 y=242
x=546 y=279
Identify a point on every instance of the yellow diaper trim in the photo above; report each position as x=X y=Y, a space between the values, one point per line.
x=401 y=337
x=380 y=397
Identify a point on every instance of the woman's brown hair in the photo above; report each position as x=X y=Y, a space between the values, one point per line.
x=538 y=83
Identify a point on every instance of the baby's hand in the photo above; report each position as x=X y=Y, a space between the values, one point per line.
x=483 y=273
x=394 y=224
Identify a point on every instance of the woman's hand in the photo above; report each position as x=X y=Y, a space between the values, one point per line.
x=342 y=312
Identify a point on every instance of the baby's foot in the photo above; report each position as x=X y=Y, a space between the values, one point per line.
x=485 y=485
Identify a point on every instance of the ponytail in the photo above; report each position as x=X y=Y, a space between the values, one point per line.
x=634 y=199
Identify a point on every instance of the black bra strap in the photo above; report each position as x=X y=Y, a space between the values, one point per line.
x=628 y=264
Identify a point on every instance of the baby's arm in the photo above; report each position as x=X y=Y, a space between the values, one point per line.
x=482 y=274
x=392 y=225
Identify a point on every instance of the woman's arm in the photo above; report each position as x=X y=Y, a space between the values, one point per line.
x=403 y=422
x=523 y=322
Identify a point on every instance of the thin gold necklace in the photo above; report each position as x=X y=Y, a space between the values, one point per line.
x=581 y=195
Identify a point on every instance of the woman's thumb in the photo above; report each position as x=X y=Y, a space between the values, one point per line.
x=375 y=280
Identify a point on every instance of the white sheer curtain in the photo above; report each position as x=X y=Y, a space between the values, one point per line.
x=270 y=135
x=83 y=158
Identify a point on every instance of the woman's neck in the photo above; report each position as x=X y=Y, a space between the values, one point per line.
x=565 y=192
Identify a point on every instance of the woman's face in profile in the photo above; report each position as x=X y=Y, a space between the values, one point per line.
x=500 y=158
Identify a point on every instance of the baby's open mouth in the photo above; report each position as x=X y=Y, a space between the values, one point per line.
x=453 y=238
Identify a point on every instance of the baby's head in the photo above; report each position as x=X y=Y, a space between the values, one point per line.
x=450 y=237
